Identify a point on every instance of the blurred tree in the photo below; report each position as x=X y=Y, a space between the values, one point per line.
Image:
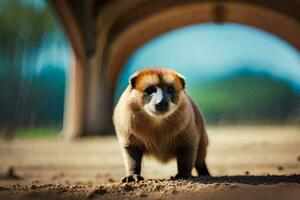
x=23 y=27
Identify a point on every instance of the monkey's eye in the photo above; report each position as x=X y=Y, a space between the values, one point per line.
x=150 y=90
x=171 y=90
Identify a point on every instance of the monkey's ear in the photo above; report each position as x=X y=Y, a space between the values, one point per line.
x=182 y=80
x=132 y=79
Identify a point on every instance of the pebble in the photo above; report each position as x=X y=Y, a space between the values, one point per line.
x=280 y=168
x=97 y=192
x=127 y=188
x=143 y=195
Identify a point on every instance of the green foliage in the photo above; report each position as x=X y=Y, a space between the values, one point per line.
x=245 y=99
x=38 y=133
x=21 y=22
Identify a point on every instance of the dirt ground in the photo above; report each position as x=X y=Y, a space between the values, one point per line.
x=246 y=163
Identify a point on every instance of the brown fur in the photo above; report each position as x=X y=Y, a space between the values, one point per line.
x=157 y=75
x=164 y=138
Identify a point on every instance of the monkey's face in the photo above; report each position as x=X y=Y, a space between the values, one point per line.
x=157 y=90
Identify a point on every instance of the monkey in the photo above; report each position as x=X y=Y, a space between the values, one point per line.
x=156 y=116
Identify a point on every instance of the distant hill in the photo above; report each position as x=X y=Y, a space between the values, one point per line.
x=246 y=98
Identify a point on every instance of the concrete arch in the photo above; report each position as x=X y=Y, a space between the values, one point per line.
x=164 y=21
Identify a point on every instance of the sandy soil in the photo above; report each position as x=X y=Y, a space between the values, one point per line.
x=246 y=162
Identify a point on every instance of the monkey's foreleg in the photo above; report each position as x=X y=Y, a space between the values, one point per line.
x=133 y=159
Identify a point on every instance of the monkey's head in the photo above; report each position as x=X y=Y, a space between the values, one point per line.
x=157 y=91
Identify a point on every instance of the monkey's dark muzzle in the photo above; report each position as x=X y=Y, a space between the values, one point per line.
x=162 y=106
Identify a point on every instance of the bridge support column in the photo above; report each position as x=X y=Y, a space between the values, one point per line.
x=99 y=106
x=73 y=124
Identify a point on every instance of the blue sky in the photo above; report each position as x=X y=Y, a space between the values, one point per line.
x=55 y=51
x=208 y=51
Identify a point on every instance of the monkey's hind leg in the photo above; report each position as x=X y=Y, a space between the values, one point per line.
x=200 y=164
x=202 y=169
x=186 y=158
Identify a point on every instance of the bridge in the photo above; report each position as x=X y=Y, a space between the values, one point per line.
x=104 y=34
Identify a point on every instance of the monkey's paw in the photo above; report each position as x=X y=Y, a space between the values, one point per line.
x=132 y=178
x=181 y=176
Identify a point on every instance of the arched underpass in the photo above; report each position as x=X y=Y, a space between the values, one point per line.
x=247 y=162
x=101 y=34
x=259 y=163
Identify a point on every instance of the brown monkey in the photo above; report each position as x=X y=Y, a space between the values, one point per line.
x=156 y=116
